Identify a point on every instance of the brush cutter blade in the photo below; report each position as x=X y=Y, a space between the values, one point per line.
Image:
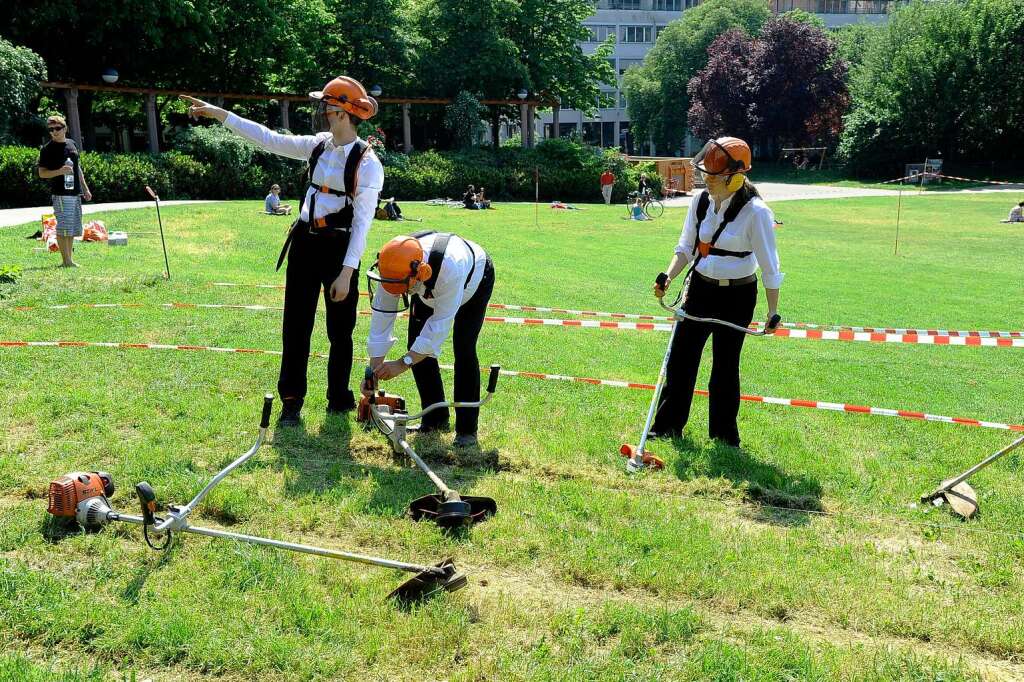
x=647 y=458
x=426 y=584
x=962 y=499
x=463 y=511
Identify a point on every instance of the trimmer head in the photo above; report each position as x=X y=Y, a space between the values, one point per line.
x=454 y=512
x=961 y=498
x=426 y=584
x=647 y=459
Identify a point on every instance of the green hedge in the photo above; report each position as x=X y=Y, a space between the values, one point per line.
x=212 y=163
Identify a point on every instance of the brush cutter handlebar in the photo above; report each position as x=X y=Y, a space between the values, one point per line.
x=268 y=402
x=681 y=313
x=152 y=195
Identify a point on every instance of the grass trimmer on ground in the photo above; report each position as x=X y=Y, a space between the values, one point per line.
x=958 y=493
x=85 y=497
x=637 y=456
x=448 y=508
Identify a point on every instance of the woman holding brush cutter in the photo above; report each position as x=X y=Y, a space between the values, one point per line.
x=728 y=234
x=326 y=243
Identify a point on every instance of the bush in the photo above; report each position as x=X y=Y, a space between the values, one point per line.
x=214 y=164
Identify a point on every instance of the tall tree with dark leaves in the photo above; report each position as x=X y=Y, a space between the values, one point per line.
x=796 y=84
x=720 y=94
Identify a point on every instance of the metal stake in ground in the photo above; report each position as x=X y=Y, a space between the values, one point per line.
x=961 y=497
x=153 y=195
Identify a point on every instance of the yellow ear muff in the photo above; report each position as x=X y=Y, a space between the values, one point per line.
x=735 y=182
x=423 y=272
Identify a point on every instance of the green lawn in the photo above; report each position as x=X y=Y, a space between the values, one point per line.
x=800 y=556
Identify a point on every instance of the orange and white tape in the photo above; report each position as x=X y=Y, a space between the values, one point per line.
x=909 y=336
x=788 y=402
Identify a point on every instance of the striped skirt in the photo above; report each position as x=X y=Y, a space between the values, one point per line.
x=68 y=210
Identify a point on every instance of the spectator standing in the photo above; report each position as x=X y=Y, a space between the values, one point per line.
x=59 y=163
x=607 y=184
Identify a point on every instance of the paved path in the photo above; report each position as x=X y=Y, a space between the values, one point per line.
x=18 y=216
x=778 y=191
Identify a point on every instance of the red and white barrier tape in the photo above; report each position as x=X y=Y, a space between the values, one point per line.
x=788 y=402
x=926 y=337
x=928 y=175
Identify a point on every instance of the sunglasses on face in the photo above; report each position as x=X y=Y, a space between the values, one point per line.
x=54 y=129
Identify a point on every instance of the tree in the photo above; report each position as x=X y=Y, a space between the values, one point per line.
x=941 y=77
x=21 y=69
x=786 y=85
x=797 y=83
x=656 y=92
x=463 y=118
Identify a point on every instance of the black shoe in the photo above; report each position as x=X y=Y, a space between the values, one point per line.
x=465 y=440
x=290 y=413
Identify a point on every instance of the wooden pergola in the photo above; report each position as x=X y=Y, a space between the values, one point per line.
x=527 y=107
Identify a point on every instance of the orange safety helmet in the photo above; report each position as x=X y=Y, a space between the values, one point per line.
x=725 y=156
x=346 y=94
x=400 y=263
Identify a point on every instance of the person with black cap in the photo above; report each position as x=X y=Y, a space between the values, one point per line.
x=450 y=280
x=727 y=235
x=325 y=245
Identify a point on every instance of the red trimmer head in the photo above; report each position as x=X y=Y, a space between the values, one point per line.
x=649 y=460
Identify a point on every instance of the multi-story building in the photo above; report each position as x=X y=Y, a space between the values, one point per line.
x=634 y=25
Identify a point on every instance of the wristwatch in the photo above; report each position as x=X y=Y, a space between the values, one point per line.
x=407 y=360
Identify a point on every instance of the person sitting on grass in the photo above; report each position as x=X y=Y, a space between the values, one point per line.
x=638 y=211
x=393 y=210
x=272 y=204
x=481 y=200
x=1016 y=214
x=469 y=198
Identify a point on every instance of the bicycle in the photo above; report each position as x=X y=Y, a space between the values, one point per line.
x=652 y=206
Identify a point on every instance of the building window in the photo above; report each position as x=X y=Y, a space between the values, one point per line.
x=669 y=5
x=623 y=4
x=626 y=64
x=600 y=33
x=638 y=34
x=622 y=100
x=606 y=100
x=658 y=30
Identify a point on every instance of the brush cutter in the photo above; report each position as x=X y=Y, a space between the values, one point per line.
x=958 y=493
x=84 y=496
x=448 y=509
x=637 y=456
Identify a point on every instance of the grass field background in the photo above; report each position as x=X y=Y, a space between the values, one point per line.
x=799 y=556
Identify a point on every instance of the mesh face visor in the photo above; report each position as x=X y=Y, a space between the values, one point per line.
x=732 y=165
x=320 y=109
x=384 y=301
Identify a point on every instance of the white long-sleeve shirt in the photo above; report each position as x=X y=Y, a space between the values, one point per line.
x=450 y=291
x=330 y=171
x=753 y=230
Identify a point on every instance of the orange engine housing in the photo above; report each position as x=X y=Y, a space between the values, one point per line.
x=396 y=403
x=67 y=491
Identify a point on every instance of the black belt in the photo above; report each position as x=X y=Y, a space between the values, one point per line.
x=303 y=225
x=749 y=279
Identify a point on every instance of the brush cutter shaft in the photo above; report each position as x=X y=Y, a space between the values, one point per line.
x=280 y=544
x=423 y=465
x=638 y=458
x=978 y=467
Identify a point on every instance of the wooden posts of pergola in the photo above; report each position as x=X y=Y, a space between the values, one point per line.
x=527 y=108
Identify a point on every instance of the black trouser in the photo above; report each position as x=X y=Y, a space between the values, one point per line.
x=733 y=304
x=315 y=261
x=465 y=331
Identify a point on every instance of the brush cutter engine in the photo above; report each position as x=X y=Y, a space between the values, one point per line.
x=82 y=495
